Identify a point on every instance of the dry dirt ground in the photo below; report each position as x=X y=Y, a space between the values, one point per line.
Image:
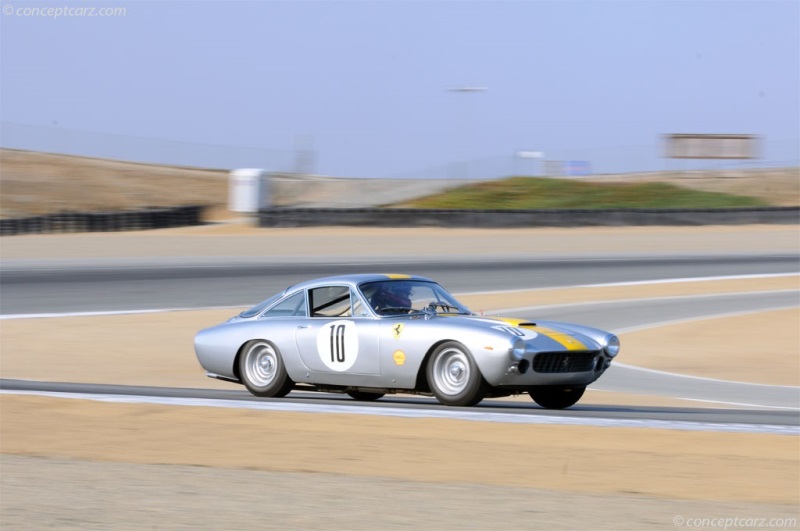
x=242 y=240
x=90 y=465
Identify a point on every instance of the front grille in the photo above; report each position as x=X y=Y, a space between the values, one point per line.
x=564 y=361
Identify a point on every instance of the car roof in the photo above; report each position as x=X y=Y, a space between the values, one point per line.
x=355 y=280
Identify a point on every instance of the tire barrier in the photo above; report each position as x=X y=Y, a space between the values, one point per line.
x=149 y=218
x=390 y=217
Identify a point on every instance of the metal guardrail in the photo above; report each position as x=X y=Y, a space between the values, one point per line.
x=149 y=218
x=390 y=217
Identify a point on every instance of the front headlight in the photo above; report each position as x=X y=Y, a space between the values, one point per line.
x=612 y=345
x=518 y=351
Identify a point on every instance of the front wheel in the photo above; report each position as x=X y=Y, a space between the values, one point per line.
x=453 y=376
x=556 y=396
x=262 y=370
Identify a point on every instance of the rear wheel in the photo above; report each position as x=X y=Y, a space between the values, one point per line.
x=262 y=370
x=364 y=396
x=556 y=396
x=453 y=376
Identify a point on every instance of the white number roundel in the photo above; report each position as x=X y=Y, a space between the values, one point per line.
x=337 y=345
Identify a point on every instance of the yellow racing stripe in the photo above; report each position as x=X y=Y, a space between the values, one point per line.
x=565 y=340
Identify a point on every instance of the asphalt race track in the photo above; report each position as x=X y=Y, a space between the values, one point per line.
x=98 y=285
x=102 y=287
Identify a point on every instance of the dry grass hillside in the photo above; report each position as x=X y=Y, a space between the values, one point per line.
x=40 y=183
x=33 y=183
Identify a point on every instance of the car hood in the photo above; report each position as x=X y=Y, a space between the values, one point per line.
x=545 y=335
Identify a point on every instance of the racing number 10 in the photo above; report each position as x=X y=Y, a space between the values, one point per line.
x=337 y=343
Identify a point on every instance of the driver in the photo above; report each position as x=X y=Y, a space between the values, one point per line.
x=392 y=295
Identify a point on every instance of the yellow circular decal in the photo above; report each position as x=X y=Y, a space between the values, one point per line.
x=399 y=357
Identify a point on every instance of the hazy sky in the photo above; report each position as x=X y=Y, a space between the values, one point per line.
x=368 y=80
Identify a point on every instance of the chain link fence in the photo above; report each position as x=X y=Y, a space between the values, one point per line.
x=578 y=162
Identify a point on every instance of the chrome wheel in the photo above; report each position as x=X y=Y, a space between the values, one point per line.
x=453 y=377
x=262 y=370
x=261 y=364
x=451 y=371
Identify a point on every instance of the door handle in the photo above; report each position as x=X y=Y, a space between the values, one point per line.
x=302 y=327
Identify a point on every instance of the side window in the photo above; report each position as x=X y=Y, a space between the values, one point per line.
x=333 y=301
x=258 y=308
x=293 y=306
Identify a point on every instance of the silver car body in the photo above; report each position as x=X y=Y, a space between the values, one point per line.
x=350 y=345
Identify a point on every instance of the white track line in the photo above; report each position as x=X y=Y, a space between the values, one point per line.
x=741 y=404
x=648 y=299
x=641 y=283
x=723 y=315
x=454 y=414
x=113 y=312
x=703 y=378
x=701 y=400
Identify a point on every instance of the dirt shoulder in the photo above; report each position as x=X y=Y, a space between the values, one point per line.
x=45 y=493
x=242 y=240
x=674 y=464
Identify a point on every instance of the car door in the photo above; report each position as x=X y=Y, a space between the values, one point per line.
x=339 y=340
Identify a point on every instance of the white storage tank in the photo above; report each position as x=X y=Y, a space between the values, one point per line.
x=248 y=190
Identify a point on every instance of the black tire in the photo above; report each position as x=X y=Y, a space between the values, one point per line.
x=262 y=370
x=364 y=396
x=453 y=376
x=556 y=396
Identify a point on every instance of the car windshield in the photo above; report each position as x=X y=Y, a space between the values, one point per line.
x=258 y=308
x=397 y=297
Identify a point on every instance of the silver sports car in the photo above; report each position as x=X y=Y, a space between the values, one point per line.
x=368 y=335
